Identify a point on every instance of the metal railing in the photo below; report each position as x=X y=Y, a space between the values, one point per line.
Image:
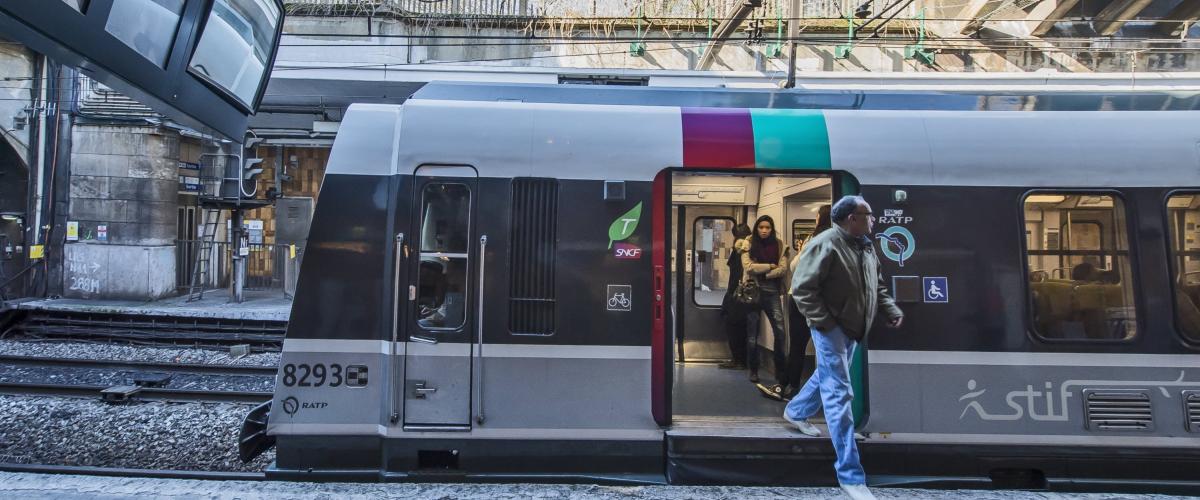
x=484 y=8
x=695 y=9
x=268 y=266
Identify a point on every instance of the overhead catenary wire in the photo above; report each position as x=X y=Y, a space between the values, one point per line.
x=701 y=20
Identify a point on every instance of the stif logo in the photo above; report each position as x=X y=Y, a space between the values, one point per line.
x=626 y=251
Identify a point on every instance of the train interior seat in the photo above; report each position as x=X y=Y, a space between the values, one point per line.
x=706 y=208
x=1189 y=313
x=1052 y=307
x=1101 y=309
x=1080 y=309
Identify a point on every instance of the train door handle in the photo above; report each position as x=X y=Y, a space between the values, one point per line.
x=422 y=339
x=419 y=390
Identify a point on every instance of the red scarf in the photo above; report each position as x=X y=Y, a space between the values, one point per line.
x=766 y=251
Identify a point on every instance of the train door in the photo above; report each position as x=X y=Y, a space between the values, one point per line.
x=706 y=236
x=709 y=380
x=435 y=331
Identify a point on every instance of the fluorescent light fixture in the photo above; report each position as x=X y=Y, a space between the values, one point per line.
x=1045 y=198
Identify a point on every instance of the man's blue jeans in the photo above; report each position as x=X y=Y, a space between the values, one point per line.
x=830 y=387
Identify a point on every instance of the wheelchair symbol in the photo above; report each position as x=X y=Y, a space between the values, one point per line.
x=936 y=290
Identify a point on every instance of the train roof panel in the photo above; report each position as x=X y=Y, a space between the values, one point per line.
x=810 y=99
x=1051 y=149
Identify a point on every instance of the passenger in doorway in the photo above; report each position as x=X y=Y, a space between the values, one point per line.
x=838 y=288
x=733 y=312
x=798 y=334
x=766 y=263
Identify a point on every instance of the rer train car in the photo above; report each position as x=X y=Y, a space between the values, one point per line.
x=526 y=281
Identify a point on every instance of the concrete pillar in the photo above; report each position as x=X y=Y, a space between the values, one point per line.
x=124 y=181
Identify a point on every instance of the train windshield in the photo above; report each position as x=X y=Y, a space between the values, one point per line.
x=442 y=279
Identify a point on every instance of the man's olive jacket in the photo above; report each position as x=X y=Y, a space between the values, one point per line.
x=837 y=284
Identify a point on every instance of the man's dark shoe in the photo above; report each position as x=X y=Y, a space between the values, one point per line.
x=774 y=392
x=754 y=377
x=790 y=392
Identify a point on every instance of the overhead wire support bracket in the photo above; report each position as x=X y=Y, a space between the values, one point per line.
x=918 y=50
x=776 y=48
x=638 y=48
x=843 y=51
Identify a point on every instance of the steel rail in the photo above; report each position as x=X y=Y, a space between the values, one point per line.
x=146 y=366
x=143 y=394
x=126 y=472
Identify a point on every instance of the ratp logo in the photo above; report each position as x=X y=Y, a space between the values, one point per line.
x=897 y=244
x=291 y=405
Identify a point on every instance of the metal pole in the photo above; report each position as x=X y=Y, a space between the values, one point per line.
x=793 y=34
x=239 y=262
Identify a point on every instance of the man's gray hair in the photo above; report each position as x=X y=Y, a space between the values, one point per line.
x=844 y=207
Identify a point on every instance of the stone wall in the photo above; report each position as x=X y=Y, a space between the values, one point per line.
x=124 y=179
x=16 y=93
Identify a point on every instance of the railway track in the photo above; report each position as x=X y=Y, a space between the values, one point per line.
x=141 y=394
x=126 y=472
x=131 y=392
x=261 y=336
x=146 y=366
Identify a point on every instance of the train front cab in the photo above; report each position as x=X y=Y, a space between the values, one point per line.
x=1050 y=339
x=427 y=336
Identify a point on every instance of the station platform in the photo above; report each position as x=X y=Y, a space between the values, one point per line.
x=264 y=305
x=34 y=485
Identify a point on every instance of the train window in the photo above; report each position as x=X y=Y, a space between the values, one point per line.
x=712 y=245
x=534 y=243
x=235 y=46
x=1183 y=216
x=1081 y=283
x=146 y=26
x=444 y=218
x=802 y=229
x=79 y=5
x=442 y=277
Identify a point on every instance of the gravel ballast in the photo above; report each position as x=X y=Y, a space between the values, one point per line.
x=155 y=435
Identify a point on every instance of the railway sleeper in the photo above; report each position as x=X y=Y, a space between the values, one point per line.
x=120 y=394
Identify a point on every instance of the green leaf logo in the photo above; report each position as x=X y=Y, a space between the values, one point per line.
x=625 y=225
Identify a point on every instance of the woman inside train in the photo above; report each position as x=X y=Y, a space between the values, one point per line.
x=792 y=377
x=766 y=263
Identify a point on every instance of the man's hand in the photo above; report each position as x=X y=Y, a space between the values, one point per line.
x=896 y=322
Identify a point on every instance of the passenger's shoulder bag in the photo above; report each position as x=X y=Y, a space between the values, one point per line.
x=747 y=292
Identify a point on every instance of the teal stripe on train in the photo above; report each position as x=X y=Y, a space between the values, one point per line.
x=790 y=138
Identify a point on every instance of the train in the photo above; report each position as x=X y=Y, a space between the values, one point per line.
x=525 y=281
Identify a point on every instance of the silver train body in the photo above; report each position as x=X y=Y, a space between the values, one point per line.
x=519 y=281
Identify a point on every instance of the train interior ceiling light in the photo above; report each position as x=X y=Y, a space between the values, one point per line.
x=204 y=64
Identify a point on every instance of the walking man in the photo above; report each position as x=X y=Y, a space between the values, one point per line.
x=837 y=287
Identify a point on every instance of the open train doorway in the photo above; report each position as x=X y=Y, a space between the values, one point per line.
x=725 y=354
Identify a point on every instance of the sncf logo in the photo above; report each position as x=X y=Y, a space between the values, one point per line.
x=626 y=251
